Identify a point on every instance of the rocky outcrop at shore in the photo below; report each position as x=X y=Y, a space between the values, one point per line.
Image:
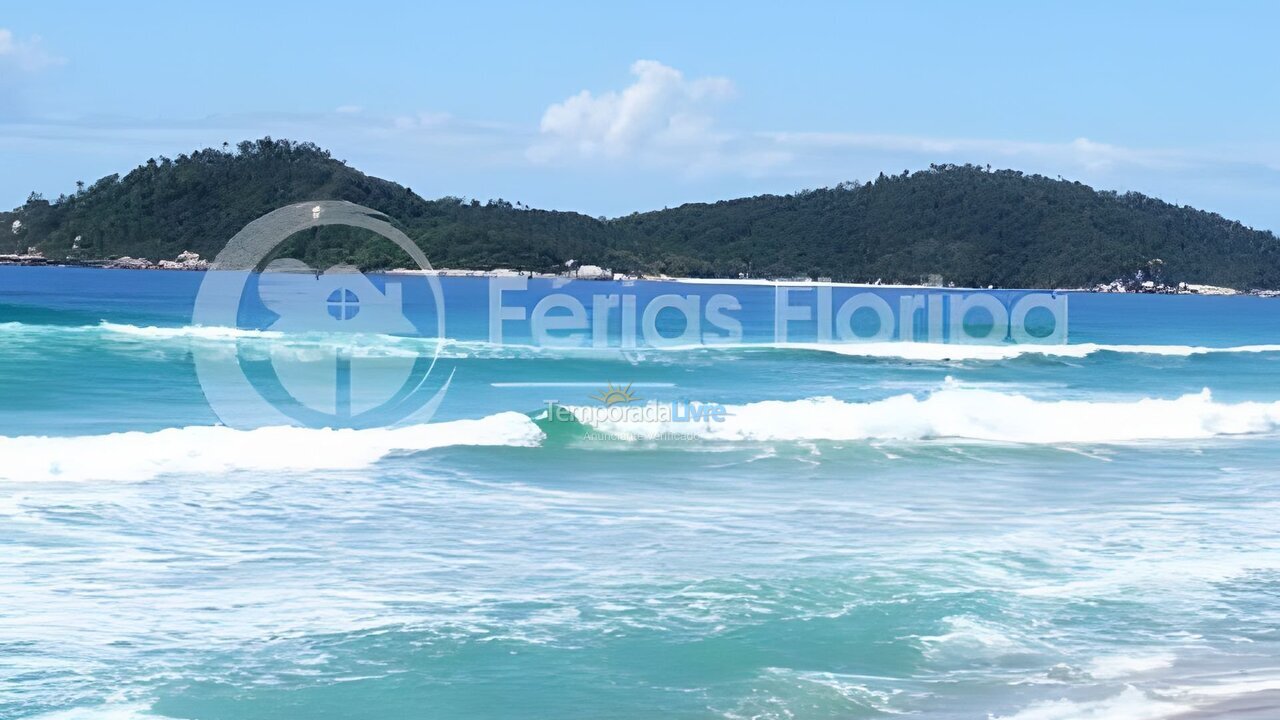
x=31 y=257
x=130 y=263
x=186 y=260
x=1148 y=280
x=1152 y=287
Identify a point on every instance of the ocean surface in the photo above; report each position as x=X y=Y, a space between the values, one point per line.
x=1032 y=532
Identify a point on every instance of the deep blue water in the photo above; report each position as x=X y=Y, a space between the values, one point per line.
x=1078 y=532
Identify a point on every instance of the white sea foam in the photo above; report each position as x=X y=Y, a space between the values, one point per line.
x=304 y=345
x=917 y=351
x=852 y=689
x=969 y=636
x=199 y=332
x=1210 y=696
x=214 y=449
x=153 y=332
x=949 y=351
x=972 y=414
x=920 y=351
x=1110 y=667
x=120 y=711
x=1227 y=687
x=1131 y=704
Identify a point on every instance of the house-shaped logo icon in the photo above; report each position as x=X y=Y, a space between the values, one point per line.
x=339 y=360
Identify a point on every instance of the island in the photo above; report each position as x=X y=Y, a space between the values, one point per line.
x=949 y=225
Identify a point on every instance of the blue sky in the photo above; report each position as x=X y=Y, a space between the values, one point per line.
x=605 y=110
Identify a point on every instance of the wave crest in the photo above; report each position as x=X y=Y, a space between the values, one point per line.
x=970 y=414
x=137 y=456
x=374 y=344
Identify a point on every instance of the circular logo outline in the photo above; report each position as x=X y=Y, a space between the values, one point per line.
x=232 y=396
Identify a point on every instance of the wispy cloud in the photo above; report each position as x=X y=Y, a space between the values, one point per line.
x=1080 y=152
x=665 y=119
x=661 y=112
x=662 y=120
x=26 y=54
x=340 y=129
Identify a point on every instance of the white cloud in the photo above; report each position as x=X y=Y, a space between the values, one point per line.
x=28 y=55
x=659 y=115
x=349 y=110
x=663 y=119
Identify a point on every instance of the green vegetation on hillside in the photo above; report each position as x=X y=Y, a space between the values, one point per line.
x=968 y=224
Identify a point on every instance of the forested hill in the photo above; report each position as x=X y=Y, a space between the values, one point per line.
x=970 y=225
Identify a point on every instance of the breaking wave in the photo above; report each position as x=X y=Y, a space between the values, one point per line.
x=970 y=414
x=376 y=344
x=137 y=456
x=949 y=351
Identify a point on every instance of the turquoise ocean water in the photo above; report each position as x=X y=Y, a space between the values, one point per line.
x=1087 y=531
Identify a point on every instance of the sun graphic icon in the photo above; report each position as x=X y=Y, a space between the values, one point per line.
x=614 y=395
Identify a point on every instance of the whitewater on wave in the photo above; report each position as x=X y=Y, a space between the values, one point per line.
x=953 y=412
x=947 y=351
x=1207 y=697
x=206 y=450
x=380 y=344
x=950 y=413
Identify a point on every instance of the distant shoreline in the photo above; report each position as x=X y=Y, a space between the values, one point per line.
x=1185 y=289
